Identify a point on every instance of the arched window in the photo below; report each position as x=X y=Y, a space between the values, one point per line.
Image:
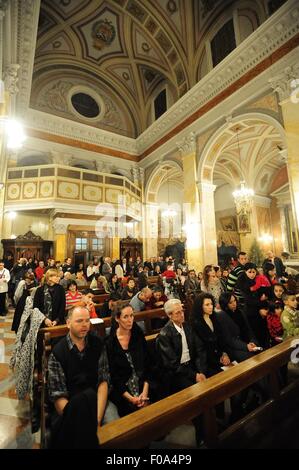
x=223 y=42
x=160 y=104
x=273 y=5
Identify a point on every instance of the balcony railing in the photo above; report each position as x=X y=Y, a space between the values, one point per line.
x=63 y=183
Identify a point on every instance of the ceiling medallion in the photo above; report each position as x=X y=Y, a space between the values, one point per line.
x=145 y=47
x=171 y=6
x=126 y=76
x=103 y=34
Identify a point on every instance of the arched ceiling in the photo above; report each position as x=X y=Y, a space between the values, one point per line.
x=123 y=50
x=250 y=153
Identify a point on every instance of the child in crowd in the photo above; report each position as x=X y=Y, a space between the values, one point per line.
x=273 y=322
x=290 y=315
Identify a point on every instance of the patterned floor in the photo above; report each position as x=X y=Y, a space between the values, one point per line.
x=15 y=426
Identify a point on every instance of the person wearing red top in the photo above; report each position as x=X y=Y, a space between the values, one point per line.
x=169 y=273
x=73 y=298
x=39 y=271
x=274 y=325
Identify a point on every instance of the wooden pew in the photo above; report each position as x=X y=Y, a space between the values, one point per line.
x=138 y=429
x=47 y=335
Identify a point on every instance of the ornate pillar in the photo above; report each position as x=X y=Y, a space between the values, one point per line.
x=287 y=86
x=199 y=214
x=208 y=222
x=60 y=240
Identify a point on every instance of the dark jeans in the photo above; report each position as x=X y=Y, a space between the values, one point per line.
x=2 y=303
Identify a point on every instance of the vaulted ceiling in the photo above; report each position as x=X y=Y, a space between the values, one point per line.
x=120 y=53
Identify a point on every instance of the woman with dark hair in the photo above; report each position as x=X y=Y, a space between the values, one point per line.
x=239 y=341
x=129 y=362
x=270 y=273
x=255 y=303
x=211 y=284
x=73 y=297
x=129 y=290
x=114 y=284
x=206 y=326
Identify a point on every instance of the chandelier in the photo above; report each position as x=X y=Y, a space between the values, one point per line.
x=168 y=212
x=243 y=196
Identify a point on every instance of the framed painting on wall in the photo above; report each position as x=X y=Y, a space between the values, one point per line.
x=244 y=223
x=228 y=224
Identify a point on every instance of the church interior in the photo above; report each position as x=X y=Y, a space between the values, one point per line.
x=147 y=128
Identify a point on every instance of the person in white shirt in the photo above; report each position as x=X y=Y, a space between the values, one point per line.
x=182 y=355
x=4 y=279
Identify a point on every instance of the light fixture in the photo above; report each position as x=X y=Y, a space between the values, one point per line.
x=15 y=134
x=12 y=215
x=243 y=196
x=168 y=212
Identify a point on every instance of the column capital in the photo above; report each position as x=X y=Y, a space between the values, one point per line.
x=187 y=145
x=204 y=186
x=11 y=78
x=59 y=228
x=286 y=84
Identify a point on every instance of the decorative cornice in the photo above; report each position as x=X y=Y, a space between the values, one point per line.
x=28 y=15
x=187 y=145
x=61 y=127
x=11 y=78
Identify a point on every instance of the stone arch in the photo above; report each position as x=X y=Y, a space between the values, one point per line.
x=223 y=136
x=158 y=176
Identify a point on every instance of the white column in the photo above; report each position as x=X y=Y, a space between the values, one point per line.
x=208 y=223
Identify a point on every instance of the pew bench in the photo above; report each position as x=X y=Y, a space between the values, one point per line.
x=140 y=428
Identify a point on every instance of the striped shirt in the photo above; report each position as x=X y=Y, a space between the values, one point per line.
x=232 y=279
x=71 y=300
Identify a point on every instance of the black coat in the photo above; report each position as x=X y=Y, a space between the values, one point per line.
x=120 y=369
x=252 y=306
x=58 y=302
x=213 y=342
x=236 y=334
x=169 y=347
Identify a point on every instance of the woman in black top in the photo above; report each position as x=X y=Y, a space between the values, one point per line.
x=206 y=326
x=128 y=362
x=238 y=338
x=50 y=299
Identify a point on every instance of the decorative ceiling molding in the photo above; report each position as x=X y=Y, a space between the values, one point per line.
x=272 y=35
x=273 y=41
x=58 y=126
x=28 y=14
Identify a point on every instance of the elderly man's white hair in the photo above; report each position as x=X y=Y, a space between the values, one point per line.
x=169 y=305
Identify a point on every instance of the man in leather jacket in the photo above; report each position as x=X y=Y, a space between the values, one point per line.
x=182 y=356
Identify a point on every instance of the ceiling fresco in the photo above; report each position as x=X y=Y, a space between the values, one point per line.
x=121 y=53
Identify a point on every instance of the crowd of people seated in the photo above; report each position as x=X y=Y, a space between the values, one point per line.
x=237 y=312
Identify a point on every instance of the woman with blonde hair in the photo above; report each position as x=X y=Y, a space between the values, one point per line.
x=50 y=298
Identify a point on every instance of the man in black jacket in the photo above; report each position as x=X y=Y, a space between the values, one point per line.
x=183 y=358
x=78 y=376
x=182 y=355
